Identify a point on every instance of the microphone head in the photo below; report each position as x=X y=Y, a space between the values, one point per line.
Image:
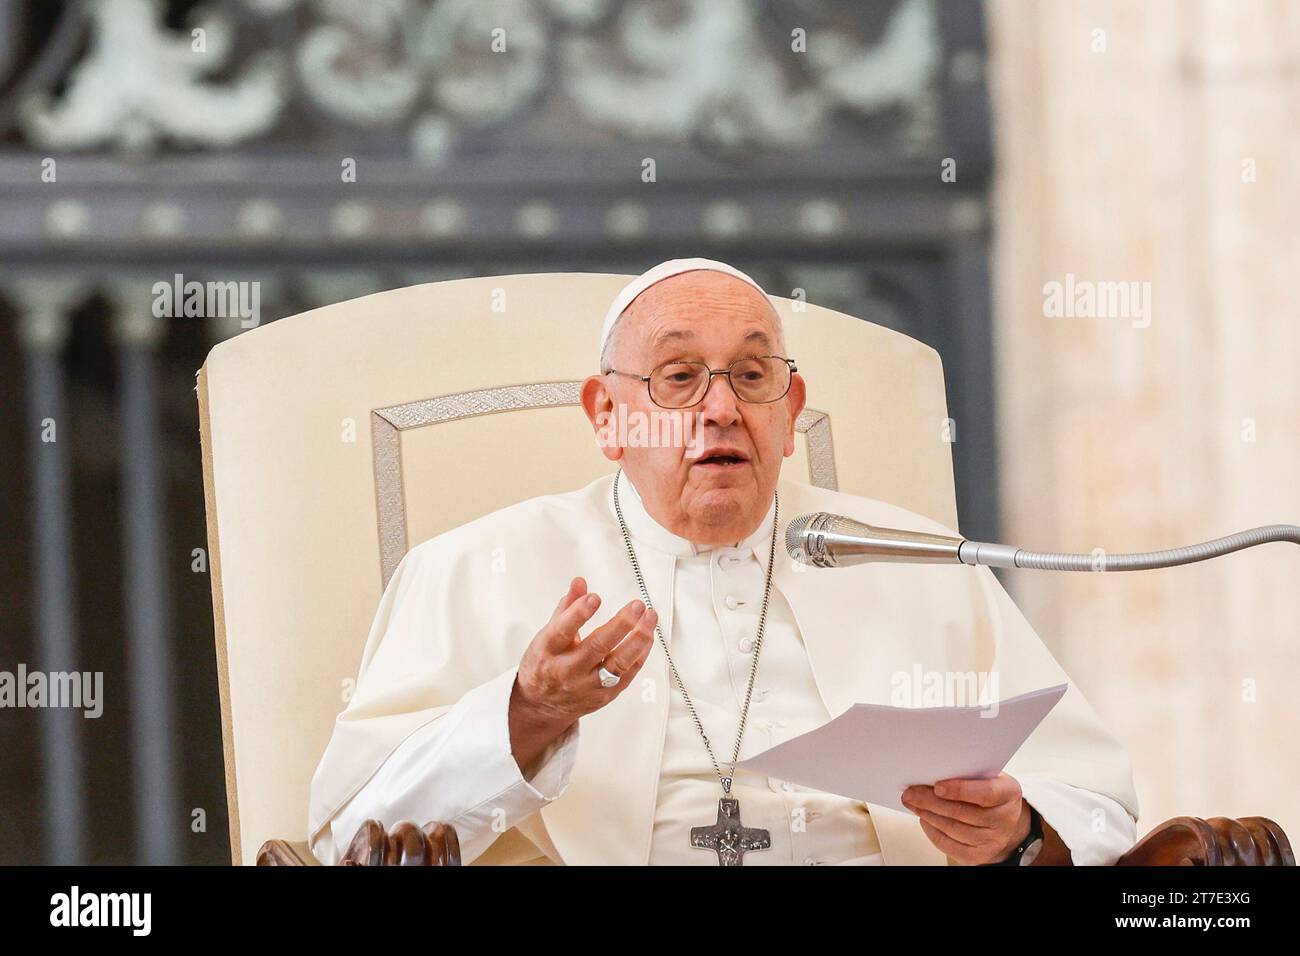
x=797 y=539
x=826 y=540
x=794 y=536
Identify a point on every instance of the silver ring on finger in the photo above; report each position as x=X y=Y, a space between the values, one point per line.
x=608 y=678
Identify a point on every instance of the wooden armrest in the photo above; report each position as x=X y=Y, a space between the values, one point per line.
x=284 y=853
x=1218 y=841
x=404 y=845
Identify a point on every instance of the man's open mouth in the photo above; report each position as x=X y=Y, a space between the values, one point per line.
x=722 y=458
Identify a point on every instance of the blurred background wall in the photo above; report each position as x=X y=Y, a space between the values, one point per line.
x=324 y=149
x=1158 y=142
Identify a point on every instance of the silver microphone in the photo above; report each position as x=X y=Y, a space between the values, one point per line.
x=833 y=541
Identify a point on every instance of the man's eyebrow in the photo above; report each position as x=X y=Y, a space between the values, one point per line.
x=670 y=334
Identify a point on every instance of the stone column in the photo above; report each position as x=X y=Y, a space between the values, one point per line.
x=44 y=307
x=147 y=558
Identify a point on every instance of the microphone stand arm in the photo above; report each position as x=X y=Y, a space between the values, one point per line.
x=1006 y=556
x=827 y=541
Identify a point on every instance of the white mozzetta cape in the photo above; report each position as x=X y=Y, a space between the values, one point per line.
x=462 y=607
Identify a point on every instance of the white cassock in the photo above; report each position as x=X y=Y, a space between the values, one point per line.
x=425 y=736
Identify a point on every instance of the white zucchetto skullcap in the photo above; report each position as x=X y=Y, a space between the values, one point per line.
x=657 y=274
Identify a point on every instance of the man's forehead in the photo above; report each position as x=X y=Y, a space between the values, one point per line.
x=706 y=281
x=672 y=310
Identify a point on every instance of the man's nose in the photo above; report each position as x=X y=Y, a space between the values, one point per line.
x=720 y=405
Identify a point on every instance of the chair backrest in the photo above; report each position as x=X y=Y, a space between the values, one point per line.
x=335 y=439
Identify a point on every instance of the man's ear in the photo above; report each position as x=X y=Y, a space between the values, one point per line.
x=794 y=400
x=598 y=403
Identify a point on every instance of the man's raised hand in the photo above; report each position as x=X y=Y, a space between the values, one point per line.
x=559 y=681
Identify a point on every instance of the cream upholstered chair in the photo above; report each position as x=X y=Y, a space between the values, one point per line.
x=335 y=439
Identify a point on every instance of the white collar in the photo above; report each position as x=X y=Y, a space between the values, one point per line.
x=642 y=526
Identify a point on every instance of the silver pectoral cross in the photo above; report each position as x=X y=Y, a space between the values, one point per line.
x=728 y=837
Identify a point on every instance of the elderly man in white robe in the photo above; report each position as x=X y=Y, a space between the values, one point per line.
x=586 y=699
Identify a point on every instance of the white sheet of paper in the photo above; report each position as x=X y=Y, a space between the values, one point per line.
x=872 y=752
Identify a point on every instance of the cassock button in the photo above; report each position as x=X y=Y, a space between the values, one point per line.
x=809 y=861
x=731 y=602
x=745 y=645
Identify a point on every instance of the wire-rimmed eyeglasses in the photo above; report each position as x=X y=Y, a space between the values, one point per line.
x=759 y=380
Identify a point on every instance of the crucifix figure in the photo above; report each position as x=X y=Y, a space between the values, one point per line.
x=728 y=837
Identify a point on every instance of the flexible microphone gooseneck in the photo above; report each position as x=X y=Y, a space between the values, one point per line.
x=833 y=541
